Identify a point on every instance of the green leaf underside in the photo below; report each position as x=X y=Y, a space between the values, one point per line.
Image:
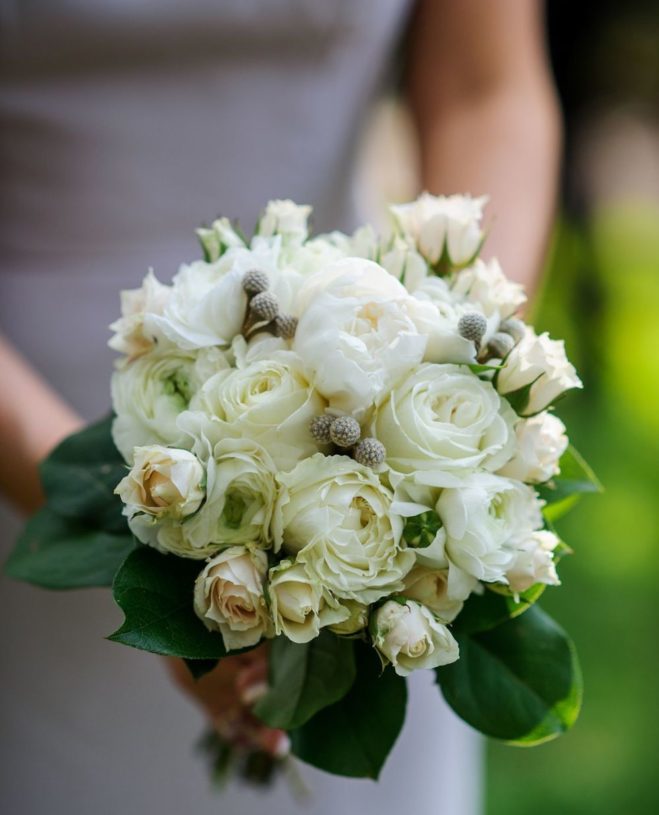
x=80 y=475
x=576 y=476
x=519 y=681
x=485 y=611
x=155 y=592
x=304 y=678
x=354 y=736
x=62 y=553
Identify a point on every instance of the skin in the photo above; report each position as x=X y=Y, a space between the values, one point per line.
x=486 y=119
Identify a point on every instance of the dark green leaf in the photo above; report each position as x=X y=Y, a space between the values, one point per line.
x=200 y=667
x=575 y=477
x=62 y=553
x=519 y=682
x=354 y=736
x=304 y=678
x=155 y=592
x=484 y=611
x=421 y=530
x=80 y=475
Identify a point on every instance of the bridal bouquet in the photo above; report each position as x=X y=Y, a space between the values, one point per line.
x=343 y=445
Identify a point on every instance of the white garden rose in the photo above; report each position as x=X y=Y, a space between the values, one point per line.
x=481 y=520
x=405 y=264
x=334 y=514
x=540 y=364
x=148 y=394
x=358 y=333
x=285 y=218
x=485 y=286
x=269 y=400
x=541 y=441
x=533 y=561
x=430 y=588
x=130 y=337
x=299 y=606
x=442 y=422
x=410 y=637
x=229 y=597
x=437 y=223
x=163 y=482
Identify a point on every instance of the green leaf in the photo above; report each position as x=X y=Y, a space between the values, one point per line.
x=575 y=477
x=421 y=530
x=155 y=592
x=304 y=678
x=80 y=475
x=519 y=681
x=62 y=553
x=484 y=611
x=200 y=667
x=354 y=736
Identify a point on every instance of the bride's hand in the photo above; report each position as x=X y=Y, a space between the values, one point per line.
x=227 y=694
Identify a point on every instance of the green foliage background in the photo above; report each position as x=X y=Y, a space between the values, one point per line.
x=602 y=295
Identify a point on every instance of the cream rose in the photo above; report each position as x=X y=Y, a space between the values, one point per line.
x=442 y=422
x=356 y=618
x=163 y=482
x=540 y=365
x=130 y=337
x=335 y=516
x=299 y=606
x=430 y=588
x=541 y=441
x=229 y=597
x=285 y=218
x=533 y=561
x=485 y=286
x=410 y=637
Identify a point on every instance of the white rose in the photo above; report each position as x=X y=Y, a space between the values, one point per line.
x=541 y=441
x=285 y=218
x=335 y=516
x=533 y=561
x=298 y=605
x=430 y=588
x=405 y=264
x=356 y=618
x=539 y=364
x=148 y=394
x=441 y=422
x=486 y=286
x=409 y=636
x=268 y=400
x=163 y=482
x=130 y=337
x=218 y=239
x=481 y=520
x=437 y=223
x=229 y=598
x=357 y=336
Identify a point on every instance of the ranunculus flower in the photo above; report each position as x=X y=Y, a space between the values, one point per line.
x=410 y=637
x=334 y=514
x=434 y=223
x=539 y=364
x=486 y=287
x=357 y=333
x=130 y=337
x=541 y=441
x=163 y=482
x=442 y=422
x=533 y=561
x=229 y=597
x=268 y=400
x=482 y=518
x=430 y=588
x=299 y=605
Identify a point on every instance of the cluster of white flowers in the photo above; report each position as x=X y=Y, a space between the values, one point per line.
x=346 y=429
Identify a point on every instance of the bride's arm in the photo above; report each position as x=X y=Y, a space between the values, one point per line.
x=487 y=118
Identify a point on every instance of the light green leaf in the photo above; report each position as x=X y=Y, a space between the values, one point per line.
x=304 y=678
x=519 y=681
x=575 y=477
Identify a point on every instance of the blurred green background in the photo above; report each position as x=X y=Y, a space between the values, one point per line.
x=602 y=294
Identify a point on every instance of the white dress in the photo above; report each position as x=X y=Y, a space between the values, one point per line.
x=123 y=125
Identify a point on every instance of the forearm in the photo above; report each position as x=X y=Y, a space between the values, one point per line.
x=33 y=419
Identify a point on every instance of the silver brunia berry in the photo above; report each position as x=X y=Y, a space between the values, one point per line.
x=255 y=281
x=264 y=306
x=472 y=326
x=369 y=452
x=319 y=427
x=345 y=431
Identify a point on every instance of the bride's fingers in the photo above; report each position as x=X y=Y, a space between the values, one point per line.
x=252 y=682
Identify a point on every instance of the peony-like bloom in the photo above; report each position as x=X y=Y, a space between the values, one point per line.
x=538 y=364
x=299 y=606
x=358 y=333
x=533 y=561
x=409 y=637
x=485 y=286
x=269 y=400
x=541 y=441
x=438 y=224
x=482 y=518
x=430 y=588
x=442 y=422
x=334 y=514
x=130 y=338
x=163 y=482
x=229 y=597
